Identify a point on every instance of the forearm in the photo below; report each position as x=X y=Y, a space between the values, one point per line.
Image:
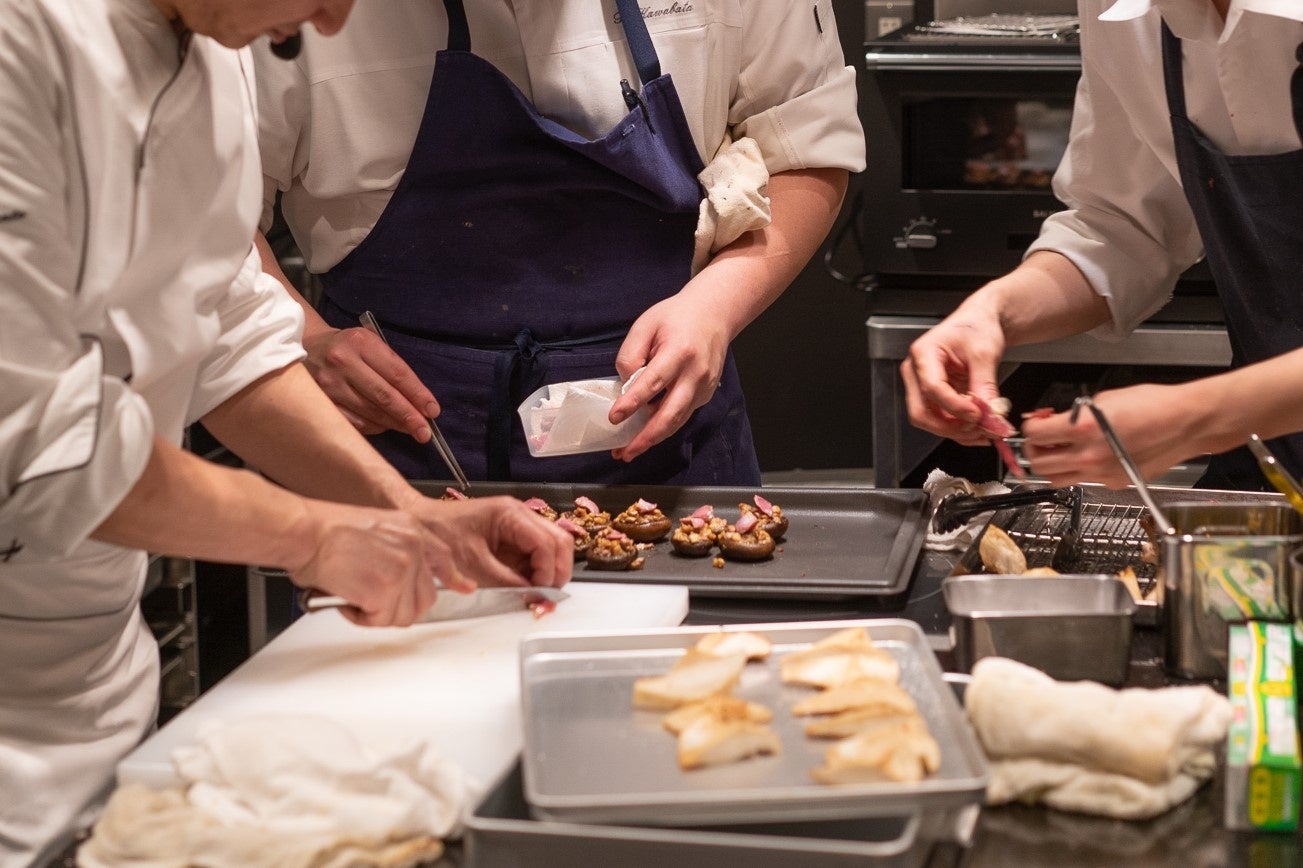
x=286 y=427
x=760 y=265
x=1264 y=399
x=185 y=506
x=1043 y=299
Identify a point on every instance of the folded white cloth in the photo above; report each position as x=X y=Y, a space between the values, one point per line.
x=1081 y=746
x=286 y=790
x=735 y=182
x=938 y=485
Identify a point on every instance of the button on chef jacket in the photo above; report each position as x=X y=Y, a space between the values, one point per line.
x=1201 y=156
x=132 y=305
x=463 y=329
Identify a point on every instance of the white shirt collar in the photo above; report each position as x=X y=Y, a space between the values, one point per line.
x=1188 y=18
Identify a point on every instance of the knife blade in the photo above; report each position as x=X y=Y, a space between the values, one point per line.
x=453 y=606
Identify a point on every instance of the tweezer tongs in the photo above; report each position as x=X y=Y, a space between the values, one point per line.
x=369 y=323
x=1284 y=481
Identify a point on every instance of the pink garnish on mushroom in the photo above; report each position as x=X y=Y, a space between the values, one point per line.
x=537 y=504
x=764 y=505
x=745 y=522
x=587 y=504
x=706 y=512
x=570 y=527
x=645 y=505
x=455 y=494
x=612 y=533
x=695 y=522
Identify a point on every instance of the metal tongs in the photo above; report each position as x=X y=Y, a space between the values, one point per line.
x=369 y=323
x=1284 y=481
x=956 y=509
x=1164 y=526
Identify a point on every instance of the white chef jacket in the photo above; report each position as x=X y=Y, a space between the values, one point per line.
x=131 y=303
x=338 y=124
x=1129 y=227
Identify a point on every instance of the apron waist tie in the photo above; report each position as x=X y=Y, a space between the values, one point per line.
x=515 y=374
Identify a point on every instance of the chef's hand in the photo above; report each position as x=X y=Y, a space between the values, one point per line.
x=495 y=541
x=954 y=359
x=683 y=348
x=382 y=561
x=1157 y=427
x=370 y=383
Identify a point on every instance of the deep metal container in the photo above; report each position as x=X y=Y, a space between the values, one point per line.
x=1227 y=562
x=1072 y=627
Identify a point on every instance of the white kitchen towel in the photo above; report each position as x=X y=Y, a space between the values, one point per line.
x=1085 y=747
x=938 y=485
x=735 y=183
x=287 y=790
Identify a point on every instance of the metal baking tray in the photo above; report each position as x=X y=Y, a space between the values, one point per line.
x=590 y=756
x=842 y=542
x=501 y=832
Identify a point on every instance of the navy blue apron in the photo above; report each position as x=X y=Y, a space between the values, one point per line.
x=1250 y=215
x=516 y=253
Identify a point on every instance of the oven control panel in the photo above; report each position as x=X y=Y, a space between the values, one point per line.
x=921 y=233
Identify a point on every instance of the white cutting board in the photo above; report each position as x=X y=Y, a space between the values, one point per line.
x=455 y=683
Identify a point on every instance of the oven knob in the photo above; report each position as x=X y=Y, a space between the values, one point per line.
x=919 y=234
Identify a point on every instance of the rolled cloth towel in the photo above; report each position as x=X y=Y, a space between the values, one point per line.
x=1084 y=747
x=735 y=183
x=286 y=791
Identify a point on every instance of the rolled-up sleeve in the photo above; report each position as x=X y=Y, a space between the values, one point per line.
x=1128 y=226
x=795 y=96
x=73 y=439
x=261 y=332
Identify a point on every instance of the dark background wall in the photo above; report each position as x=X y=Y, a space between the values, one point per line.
x=804 y=362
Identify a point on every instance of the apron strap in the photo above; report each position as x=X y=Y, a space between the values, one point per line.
x=1296 y=91
x=1173 y=77
x=640 y=43
x=459 y=32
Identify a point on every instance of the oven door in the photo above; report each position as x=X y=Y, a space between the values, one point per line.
x=962 y=150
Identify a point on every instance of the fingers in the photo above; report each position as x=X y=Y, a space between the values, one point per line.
x=372 y=383
x=670 y=414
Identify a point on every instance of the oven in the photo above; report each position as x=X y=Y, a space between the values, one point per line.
x=967 y=107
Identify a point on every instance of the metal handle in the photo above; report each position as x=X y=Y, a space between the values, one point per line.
x=1284 y=481
x=1164 y=526
x=441 y=446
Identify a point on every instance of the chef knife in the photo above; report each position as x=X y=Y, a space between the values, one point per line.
x=371 y=324
x=454 y=606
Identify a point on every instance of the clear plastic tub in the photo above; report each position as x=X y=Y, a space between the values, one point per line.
x=570 y=418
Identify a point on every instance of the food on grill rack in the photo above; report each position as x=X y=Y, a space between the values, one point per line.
x=588 y=515
x=1000 y=554
x=745 y=541
x=709 y=741
x=769 y=515
x=642 y=521
x=720 y=707
x=611 y=550
x=884 y=697
x=541 y=506
x=1041 y=571
x=847 y=655
x=753 y=645
x=695 y=676
x=904 y=752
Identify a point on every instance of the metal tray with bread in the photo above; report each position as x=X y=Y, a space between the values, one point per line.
x=841 y=542
x=590 y=756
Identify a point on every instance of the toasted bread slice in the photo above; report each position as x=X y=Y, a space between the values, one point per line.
x=904 y=752
x=720 y=707
x=753 y=645
x=856 y=721
x=695 y=676
x=710 y=742
x=833 y=667
x=1000 y=554
x=865 y=694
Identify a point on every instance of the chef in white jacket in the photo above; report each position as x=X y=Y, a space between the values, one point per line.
x=133 y=304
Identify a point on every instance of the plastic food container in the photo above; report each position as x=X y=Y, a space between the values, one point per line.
x=569 y=418
x=1071 y=627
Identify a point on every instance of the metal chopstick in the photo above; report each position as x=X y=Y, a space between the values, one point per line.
x=369 y=323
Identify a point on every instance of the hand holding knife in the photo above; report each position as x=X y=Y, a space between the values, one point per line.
x=370 y=323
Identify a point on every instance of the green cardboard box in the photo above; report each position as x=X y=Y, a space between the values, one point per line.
x=1263 y=765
